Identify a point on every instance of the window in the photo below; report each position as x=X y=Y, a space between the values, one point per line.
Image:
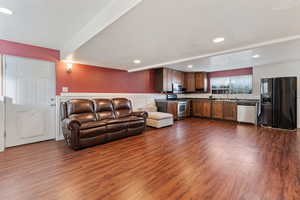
x=232 y=85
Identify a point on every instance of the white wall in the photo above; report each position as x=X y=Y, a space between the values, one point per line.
x=138 y=101
x=1 y=123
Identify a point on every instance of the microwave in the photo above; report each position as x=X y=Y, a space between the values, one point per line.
x=177 y=88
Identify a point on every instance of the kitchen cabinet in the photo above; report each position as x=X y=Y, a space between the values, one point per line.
x=172 y=108
x=189 y=82
x=230 y=111
x=196 y=108
x=178 y=77
x=217 y=109
x=206 y=109
x=165 y=78
x=201 y=81
x=201 y=108
x=188 y=109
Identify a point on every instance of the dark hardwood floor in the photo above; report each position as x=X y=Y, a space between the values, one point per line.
x=194 y=159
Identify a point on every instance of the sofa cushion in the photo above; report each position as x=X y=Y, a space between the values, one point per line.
x=94 y=124
x=104 y=109
x=83 y=117
x=92 y=132
x=81 y=110
x=159 y=115
x=122 y=107
x=124 y=120
x=78 y=106
x=116 y=127
x=135 y=124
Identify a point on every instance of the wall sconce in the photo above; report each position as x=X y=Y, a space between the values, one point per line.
x=69 y=67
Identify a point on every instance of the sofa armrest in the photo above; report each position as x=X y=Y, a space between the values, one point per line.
x=71 y=124
x=140 y=114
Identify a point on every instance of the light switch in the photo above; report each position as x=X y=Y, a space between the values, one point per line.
x=65 y=89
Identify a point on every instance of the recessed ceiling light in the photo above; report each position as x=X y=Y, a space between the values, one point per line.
x=190 y=66
x=5 y=11
x=256 y=56
x=218 y=40
x=137 y=61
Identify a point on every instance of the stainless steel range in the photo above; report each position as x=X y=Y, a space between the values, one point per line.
x=181 y=110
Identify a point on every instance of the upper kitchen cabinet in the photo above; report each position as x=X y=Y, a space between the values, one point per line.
x=165 y=78
x=189 y=82
x=201 y=81
x=178 y=77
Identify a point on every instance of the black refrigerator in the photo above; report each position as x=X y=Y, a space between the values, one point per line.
x=279 y=103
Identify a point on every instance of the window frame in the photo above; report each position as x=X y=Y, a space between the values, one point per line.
x=228 y=89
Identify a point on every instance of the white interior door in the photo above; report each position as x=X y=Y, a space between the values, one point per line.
x=30 y=100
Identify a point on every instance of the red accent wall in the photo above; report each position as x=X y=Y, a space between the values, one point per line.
x=28 y=51
x=85 y=78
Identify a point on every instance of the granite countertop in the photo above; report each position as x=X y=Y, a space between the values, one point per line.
x=238 y=101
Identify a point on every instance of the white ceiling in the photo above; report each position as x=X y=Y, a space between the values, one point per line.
x=158 y=32
x=46 y=23
x=270 y=54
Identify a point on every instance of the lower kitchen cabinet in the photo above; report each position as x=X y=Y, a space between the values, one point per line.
x=172 y=109
x=201 y=108
x=230 y=111
x=217 y=109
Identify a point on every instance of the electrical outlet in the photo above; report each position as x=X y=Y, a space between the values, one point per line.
x=65 y=89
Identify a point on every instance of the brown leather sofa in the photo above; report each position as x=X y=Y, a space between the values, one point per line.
x=88 y=122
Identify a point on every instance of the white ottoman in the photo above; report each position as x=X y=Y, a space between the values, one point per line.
x=159 y=119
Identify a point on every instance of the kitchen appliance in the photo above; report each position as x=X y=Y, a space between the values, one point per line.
x=247 y=114
x=279 y=103
x=177 y=88
x=171 y=97
x=181 y=109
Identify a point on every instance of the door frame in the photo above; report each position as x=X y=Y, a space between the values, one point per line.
x=3 y=67
x=2 y=108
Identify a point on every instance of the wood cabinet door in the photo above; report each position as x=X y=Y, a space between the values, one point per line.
x=230 y=111
x=206 y=109
x=217 y=110
x=196 y=108
x=201 y=81
x=188 y=109
x=169 y=79
x=201 y=108
x=189 y=81
x=172 y=108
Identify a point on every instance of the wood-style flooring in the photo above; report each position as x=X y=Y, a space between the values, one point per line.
x=194 y=159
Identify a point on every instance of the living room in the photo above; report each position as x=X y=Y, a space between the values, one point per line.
x=140 y=99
